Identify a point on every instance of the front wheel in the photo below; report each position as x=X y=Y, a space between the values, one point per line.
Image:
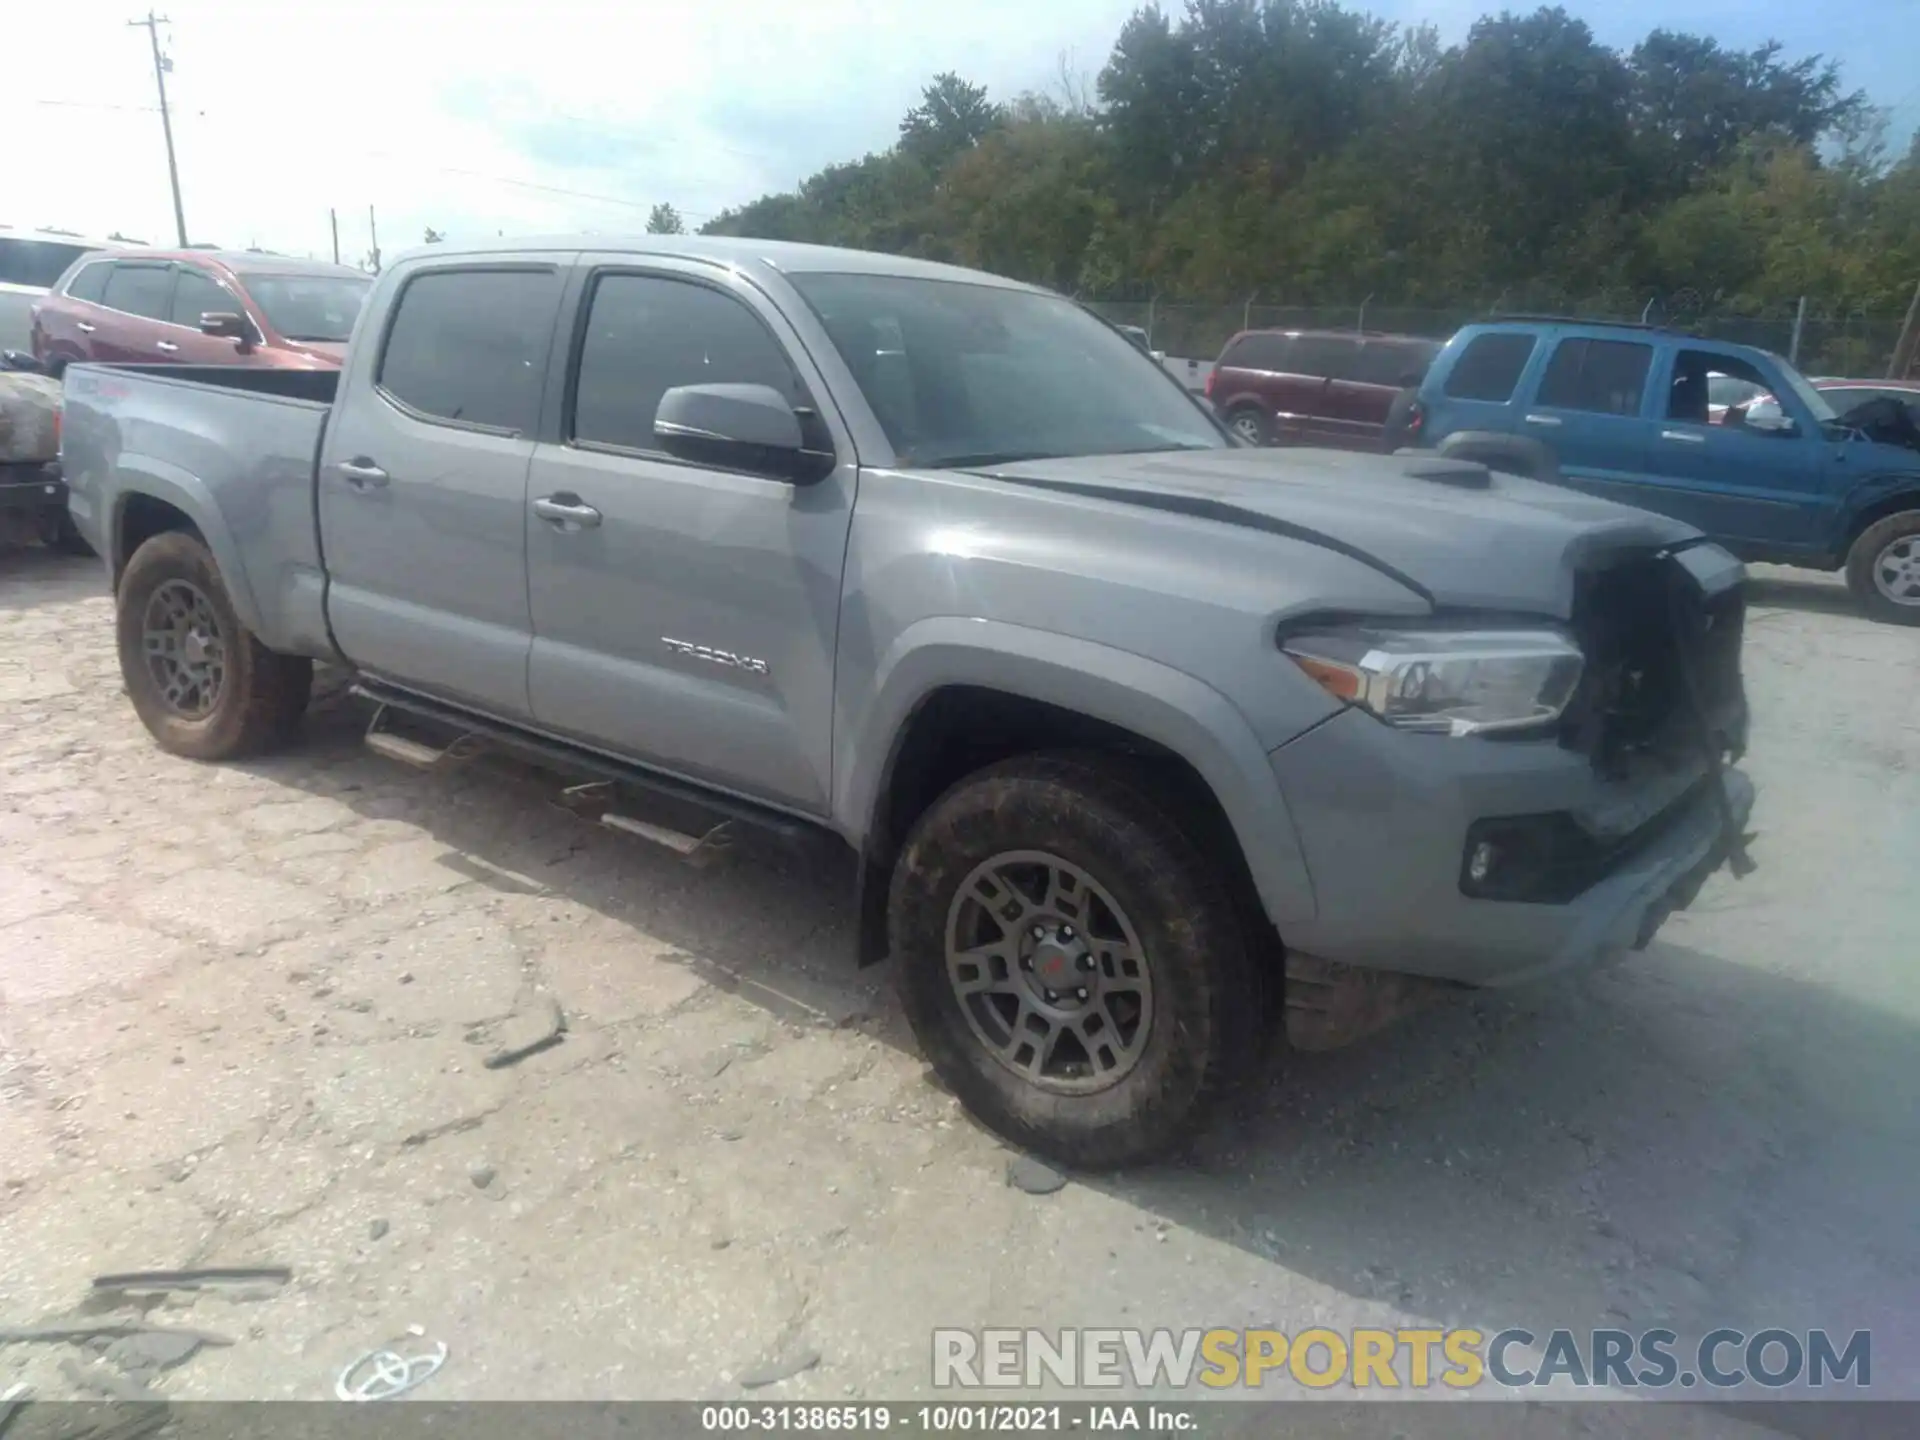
x=1073 y=966
x=1883 y=569
x=201 y=682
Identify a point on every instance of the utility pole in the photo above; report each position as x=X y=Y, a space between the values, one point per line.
x=373 y=233
x=1907 y=347
x=161 y=65
x=333 y=219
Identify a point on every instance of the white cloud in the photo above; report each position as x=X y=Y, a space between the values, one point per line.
x=473 y=117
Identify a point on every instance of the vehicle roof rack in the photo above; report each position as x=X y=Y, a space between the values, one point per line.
x=1583 y=320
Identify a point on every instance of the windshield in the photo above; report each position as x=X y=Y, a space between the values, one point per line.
x=962 y=374
x=312 y=308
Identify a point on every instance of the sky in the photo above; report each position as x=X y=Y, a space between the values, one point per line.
x=484 y=118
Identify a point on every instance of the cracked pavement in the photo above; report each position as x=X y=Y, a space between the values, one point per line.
x=244 y=1010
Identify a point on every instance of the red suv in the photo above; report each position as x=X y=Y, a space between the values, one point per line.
x=199 y=307
x=1315 y=387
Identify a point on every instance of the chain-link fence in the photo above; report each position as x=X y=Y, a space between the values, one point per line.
x=1852 y=344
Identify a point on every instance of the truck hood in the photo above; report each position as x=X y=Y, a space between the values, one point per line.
x=1451 y=530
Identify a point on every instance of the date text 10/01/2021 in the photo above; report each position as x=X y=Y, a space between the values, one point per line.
x=946 y=1419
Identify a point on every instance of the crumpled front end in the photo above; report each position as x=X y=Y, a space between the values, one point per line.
x=1491 y=859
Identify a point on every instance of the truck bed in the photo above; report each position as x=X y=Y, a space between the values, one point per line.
x=232 y=450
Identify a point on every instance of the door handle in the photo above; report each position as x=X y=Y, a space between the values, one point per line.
x=567 y=510
x=1543 y=419
x=83 y=327
x=1685 y=437
x=166 y=345
x=362 y=473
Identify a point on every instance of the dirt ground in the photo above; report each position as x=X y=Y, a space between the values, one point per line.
x=243 y=1015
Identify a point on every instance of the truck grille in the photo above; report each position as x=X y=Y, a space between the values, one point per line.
x=1646 y=628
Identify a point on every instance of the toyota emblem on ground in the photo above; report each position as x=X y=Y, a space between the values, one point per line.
x=392 y=1369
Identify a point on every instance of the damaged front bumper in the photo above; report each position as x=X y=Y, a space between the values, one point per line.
x=1386 y=822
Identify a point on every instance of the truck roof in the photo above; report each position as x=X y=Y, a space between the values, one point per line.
x=786 y=256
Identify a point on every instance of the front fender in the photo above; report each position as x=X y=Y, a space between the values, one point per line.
x=1154 y=701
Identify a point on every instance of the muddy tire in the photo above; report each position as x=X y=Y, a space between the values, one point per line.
x=1074 y=967
x=1883 y=569
x=201 y=682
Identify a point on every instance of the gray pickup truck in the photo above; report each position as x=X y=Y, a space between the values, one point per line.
x=1139 y=744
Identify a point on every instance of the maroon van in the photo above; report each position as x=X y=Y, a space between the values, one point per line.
x=1315 y=387
x=199 y=307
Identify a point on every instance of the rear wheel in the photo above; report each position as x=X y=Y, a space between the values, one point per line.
x=1074 y=967
x=201 y=682
x=1251 y=425
x=1883 y=569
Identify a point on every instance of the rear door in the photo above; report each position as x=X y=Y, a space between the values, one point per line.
x=423 y=479
x=135 y=307
x=1590 y=408
x=1734 y=480
x=1325 y=410
x=690 y=621
x=1360 y=401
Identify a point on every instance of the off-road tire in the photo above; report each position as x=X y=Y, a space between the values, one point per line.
x=1109 y=817
x=263 y=694
x=1860 y=562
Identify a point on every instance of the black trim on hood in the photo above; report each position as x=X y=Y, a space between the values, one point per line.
x=1202 y=508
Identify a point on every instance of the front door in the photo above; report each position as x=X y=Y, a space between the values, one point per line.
x=196 y=293
x=1737 y=481
x=685 y=616
x=423 y=482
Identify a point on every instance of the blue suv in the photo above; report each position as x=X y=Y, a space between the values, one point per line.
x=1622 y=411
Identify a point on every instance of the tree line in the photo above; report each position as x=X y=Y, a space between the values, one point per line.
x=1309 y=153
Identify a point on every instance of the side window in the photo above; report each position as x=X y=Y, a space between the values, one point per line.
x=140 y=290
x=1325 y=355
x=1392 y=362
x=471 y=346
x=90 y=284
x=645 y=335
x=1604 y=377
x=1260 y=352
x=1697 y=374
x=1490 y=367
x=195 y=294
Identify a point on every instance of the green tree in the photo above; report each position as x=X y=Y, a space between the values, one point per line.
x=951 y=118
x=663 y=219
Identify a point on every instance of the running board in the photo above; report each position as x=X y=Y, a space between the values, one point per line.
x=392 y=745
x=595 y=799
x=713 y=821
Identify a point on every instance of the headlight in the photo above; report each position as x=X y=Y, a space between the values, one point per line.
x=1447 y=682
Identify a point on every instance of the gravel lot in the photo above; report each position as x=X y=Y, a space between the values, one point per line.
x=243 y=1014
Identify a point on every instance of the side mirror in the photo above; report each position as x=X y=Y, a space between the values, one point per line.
x=21 y=362
x=1772 y=423
x=223 y=325
x=737 y=427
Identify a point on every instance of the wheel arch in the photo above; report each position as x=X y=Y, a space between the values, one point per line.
x=954 y=695
x=159 y=502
